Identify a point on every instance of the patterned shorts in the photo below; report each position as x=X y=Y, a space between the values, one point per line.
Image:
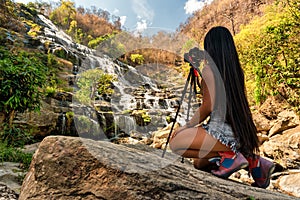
x=223 y=133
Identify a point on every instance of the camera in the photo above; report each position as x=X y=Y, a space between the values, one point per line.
x=194 y=56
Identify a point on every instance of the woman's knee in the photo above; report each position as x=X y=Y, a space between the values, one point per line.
x=172 y=146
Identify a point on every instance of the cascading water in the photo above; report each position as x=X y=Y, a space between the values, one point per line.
x=126 y=124
x=133 y=91
x=63 y=124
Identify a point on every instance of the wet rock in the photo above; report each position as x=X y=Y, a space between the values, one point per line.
x=40 y=124
x=11 y=175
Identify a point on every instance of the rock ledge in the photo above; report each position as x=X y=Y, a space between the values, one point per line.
x=75 y=168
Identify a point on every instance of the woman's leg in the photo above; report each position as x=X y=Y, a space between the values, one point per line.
x=196 y=143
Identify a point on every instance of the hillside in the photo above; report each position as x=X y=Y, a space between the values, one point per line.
x=229 y=13
x=267 y=35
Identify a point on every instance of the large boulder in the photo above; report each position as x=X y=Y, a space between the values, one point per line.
x=273 y=106
x=284 y=148
x=286 y=119
x=290 y=184
x=75 y=168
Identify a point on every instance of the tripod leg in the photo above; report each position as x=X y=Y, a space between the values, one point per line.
x=179 y=106
x=191 y=94
x=189 y=98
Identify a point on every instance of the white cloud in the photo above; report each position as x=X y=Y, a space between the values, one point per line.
x=141 y=26
x=123 y=20
x=193 y=5
x=144 y=14
x=116 y=11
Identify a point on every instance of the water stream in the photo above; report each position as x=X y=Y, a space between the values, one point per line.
x=133 y=92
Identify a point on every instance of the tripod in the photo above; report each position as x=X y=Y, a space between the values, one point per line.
x=193 y=79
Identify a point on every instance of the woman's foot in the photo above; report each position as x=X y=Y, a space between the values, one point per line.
x=261 y=170
x=229 y=163
x=204 y=165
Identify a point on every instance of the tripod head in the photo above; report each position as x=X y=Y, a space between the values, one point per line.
x=194 y=57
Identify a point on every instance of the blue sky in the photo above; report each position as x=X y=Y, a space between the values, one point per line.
x=138 y=15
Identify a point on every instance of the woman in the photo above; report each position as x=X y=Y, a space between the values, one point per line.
x=230 y=133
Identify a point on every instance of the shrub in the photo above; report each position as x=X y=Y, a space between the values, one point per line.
x=22 y=77
x=10 y=154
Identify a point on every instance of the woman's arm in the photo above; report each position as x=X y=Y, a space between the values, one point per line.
x=204 y=110
x=208 y=88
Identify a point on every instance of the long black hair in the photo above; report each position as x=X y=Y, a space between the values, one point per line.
x=219 y=44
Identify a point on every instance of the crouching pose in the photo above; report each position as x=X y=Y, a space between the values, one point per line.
x=229 y=138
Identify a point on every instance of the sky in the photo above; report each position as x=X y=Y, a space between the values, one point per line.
x=143 y=15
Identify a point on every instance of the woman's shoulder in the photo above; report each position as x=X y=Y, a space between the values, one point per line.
x=207 y=71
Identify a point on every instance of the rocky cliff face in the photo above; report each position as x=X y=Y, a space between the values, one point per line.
x=143 y=102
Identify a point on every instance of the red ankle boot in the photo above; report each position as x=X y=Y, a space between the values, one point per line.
x=261 y=170
x=229 y=163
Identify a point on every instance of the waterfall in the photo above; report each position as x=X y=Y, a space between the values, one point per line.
x=132 y=91
x=63 y=124
x=125 y=124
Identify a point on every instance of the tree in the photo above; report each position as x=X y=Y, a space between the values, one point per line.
x=91 y=83
x=8 y=16
x=269 y=51
x=22 y=77
x=137 y=59
x=64 y=14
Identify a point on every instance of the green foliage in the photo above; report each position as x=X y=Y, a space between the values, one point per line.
x=34 y=30
x=70 y=115
x=10 y=154
x=87 y=127
x=60 y=52
x=6 y=13
x=75 y=32
x=85 y=26
x=146 y=118
x=91 y=82
x=112 y=47
x=64 y=14
x=137 y=58
x=168 y=119
x=125 y=112
x=93 y=43
x=28 y=11
x=50 y=91
x=14 y=136
x=22 y=77
x=269 y=51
